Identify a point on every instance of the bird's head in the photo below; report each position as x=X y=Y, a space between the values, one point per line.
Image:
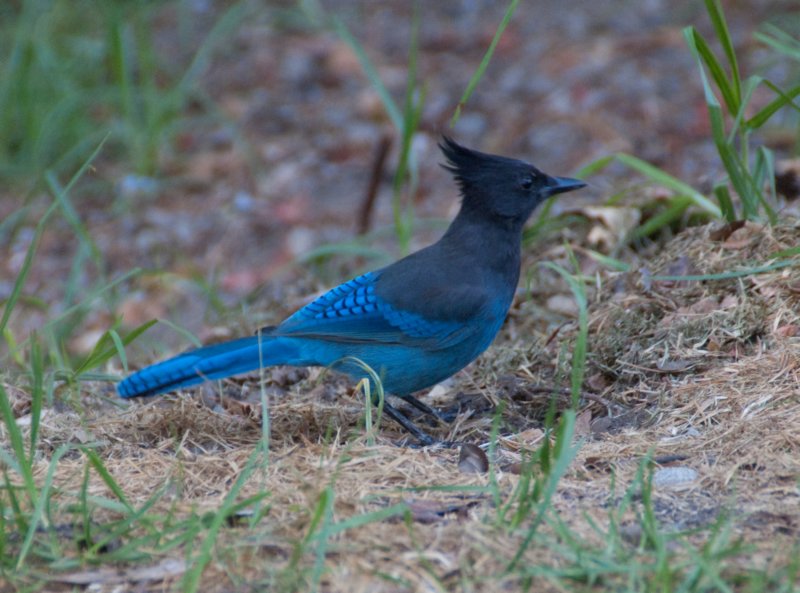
x=497 y=187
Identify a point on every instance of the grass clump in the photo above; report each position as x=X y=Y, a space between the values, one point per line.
x=73 y=71
x=748 y=189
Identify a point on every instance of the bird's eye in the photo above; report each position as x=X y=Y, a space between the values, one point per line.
x=527 y=183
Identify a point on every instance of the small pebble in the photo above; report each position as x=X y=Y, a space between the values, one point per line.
x=675 y=478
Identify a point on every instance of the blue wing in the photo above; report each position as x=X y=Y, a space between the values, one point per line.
x=354 y=313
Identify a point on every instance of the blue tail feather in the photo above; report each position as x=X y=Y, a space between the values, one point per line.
x=209 y=362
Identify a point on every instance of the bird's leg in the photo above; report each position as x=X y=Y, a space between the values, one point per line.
x=395 y=415
x=423 y=407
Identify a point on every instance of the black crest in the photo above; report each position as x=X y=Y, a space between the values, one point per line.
x=471 y=167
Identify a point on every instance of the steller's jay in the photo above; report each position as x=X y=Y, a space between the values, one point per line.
x=414 y=322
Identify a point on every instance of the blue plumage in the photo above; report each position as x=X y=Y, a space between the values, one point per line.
x=415 y=322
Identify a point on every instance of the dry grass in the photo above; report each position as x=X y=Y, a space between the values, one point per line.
x=703 y=376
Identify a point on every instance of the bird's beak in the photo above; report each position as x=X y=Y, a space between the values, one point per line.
x=564 y=184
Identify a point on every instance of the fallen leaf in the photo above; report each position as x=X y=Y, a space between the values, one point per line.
x=615 y=223
x=744 y=236
x=725 y=231
x=472 y=460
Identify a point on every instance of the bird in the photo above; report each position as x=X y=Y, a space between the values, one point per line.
x=414 y=322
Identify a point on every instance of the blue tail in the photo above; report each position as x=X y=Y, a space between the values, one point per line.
x=210 y=362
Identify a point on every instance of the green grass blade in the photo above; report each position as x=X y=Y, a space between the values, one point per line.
x=790 y=252
x=377 y=399
x=732 y=274
x=13 y=347
x=86 y=164
x=747 y=187
x=372 y=74
x=73 y=218
x=740 y=117
x=110 y=344
x=579 y=353
x=715 y=12
x=129 y=522
x=718 y=75
x=16 y=513
x=119 y=348
x=108 y=479
x=779 y=40
x=533 y=231
x=264 y=398
x=84 y=510
x=412 y=111
x=220 y=33
x=91 y=297
x=476 y=77
x=725 y=201
x=192 y=579
x=764 y=175
x=11 y=301
x=37 y=395
x=38 y=516
x=564 y=452
x=739 y=178
x=323 y=516
x=19 y=461
x=594 y=167
x=734 y=164
x=351 y=248
x=364 y=387
x=670 y=182
x=40 y=227
x=674 y=211
x=612 y=263
x=119 y=63
x=182 y=331
x=357 y=521
x=784 y=98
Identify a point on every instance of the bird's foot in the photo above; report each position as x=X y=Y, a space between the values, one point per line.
x=426 y=409
x=425 y=440
x=409 y=444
